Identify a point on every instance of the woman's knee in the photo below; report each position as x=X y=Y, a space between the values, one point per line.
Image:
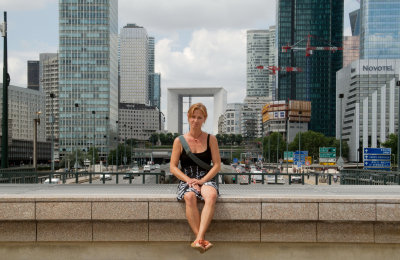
x=190 y=199
x=210 y=196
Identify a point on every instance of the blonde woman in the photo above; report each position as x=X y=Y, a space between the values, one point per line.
x=197 y=182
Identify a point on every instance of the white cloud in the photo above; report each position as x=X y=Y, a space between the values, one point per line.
x=165 y=17
x=23 y=5
x=17 y=67
x=212 y=59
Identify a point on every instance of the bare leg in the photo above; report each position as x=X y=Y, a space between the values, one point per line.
x=192 y=212
x=210 y=197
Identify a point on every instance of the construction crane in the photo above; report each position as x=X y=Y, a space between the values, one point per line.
x=309 y=51
x=274 y=69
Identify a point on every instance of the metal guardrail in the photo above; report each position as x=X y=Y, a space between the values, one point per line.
x=369 y=177
x=347 y=177
x=160 y=177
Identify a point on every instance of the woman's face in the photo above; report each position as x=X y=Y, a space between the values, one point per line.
x=197 y=119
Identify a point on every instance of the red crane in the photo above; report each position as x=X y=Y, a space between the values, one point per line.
x=309 y=49
x=274 y=69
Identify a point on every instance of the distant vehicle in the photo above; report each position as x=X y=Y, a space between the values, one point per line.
x=271 y=179
x=258 y=177
x=157 y=166
x=152 y=167
x=135 y=170
x=146 y=168
x=106 y=177
x=127 y=176
x=296 y=179
x=53 y=181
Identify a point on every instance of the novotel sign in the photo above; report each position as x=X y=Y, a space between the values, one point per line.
x=377 y=68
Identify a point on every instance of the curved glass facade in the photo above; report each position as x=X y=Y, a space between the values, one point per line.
x=380 y=29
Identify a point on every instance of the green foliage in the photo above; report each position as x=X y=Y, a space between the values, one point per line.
x=153 y=138
x=311 y=141
x=391 y=142
x=273 y=144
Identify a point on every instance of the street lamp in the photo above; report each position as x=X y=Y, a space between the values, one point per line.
x=131 y=146
x=94 y=138
x=125 y=145
x=108 y=141
x=36 y=121
x=117 y=144
x=76 y=147
x=6 y=83
x=299 y=163
x=287 y=141
x=340 y=161
x=52 y=96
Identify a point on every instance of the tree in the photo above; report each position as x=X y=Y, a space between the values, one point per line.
x=218 y=136
x=239 y=139
x=273 y=145
x=153 y=138
x=163 y=138
x=391 y=142
x=90 y=154
x=169 y=139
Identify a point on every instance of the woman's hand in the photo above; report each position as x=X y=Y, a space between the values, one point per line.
x=195 y=183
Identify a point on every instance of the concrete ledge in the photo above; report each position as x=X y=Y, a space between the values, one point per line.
x=262 y=215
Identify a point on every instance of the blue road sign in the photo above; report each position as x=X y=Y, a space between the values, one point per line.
x=377 y=156
x=377 y=151
x=378 y=164
x=301 y=152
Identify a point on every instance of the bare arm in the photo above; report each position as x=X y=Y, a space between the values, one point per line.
x=173 y=168
x=216 y=159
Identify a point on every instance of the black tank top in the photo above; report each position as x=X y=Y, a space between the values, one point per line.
x=205 y=156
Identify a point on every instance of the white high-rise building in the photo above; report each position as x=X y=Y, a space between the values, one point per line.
x=134 y=65
x=259 y=53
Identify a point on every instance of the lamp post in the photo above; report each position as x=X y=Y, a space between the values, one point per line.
x=94 y=139
x=52 y=96
x=76 y=147
x=340 y=161
x=299 y=163
x=116 y=158
x=6 y=83
x=131 y=146
x=269 y=144
x=36 y=121
x=125 y=145
x=287 y=141
x=108 y=143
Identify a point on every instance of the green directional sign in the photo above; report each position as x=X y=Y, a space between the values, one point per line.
x=288 y=156
x=327 y=155
x=327 y=150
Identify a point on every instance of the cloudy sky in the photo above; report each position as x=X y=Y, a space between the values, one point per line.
x=199 y=43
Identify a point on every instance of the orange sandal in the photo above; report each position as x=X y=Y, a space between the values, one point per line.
x=206 y=244
x=198 y=245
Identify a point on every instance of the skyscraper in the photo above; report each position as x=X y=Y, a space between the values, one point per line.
x=317 y=83
x=134 y=65
x=88 y=74
x=33 y=74
x=157 y=90
x=380 y=27
x=355 y=22
x=49 y=85
x=258 y=54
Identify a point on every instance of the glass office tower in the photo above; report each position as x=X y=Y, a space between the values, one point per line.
x=88 y=74
x=317 y=81
x=380 y=27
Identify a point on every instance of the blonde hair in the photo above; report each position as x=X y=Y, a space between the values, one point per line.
x=198 y=106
